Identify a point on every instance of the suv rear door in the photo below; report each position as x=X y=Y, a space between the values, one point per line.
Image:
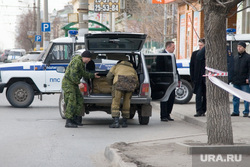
x=162 y=73
x=128 y=42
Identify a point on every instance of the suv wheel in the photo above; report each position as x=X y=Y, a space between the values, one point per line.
x=143 y=120
x=62 y=106
x=183 y=94
x=20 y=94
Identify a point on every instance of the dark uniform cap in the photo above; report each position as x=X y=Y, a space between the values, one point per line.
x=86 y=54
x=243 y=44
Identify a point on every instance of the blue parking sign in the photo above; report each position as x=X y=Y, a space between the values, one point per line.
x=45 y=27
x=38 y=38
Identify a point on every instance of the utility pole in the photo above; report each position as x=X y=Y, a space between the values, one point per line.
x=83 y=17
x=38 y=24
x=34 y=25
x=46 y=35
x=165 y=24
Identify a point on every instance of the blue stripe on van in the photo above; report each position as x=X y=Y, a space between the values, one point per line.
x=32 y=68
x=180 y=65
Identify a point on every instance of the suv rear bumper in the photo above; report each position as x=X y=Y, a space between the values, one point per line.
x=108 y=100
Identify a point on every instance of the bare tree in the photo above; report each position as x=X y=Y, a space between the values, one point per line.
x=147 y=18
x=219 y=126
x=56 y=24
x=26 y=23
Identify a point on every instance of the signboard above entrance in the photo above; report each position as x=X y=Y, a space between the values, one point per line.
x=162 y=1
x=107 y=5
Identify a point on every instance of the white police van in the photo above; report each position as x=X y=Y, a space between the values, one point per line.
x=23 y=80
x=15 y=54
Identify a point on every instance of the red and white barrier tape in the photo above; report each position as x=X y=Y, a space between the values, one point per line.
x=236 y=92
x=216 y=72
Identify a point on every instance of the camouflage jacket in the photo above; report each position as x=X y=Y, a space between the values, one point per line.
x=76 y=70
x=123 y=68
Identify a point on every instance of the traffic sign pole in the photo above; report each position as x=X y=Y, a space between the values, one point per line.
x=46 y=35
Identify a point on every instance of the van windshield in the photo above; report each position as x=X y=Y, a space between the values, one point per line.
x=15 y=53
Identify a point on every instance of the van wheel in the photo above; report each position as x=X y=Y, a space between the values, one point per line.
x=143 y=120
x=183 y=94
x=20 y=94
x=62 y=106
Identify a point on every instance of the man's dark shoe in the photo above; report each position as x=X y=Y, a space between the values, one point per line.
x=245 y=115
x=78 y=120
x=198 y=114
x=115 y=123
x=233 y=114
x=164 y=120
x=169 y=118
x=124 y=122
x=70 y=124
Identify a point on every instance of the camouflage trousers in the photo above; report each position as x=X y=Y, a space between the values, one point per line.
x=115 y=108
x=73 y=99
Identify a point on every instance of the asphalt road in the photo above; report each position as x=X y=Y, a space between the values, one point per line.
x=36 y=136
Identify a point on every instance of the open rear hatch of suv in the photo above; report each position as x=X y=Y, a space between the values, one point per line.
x=128 y=42
x=107 y=49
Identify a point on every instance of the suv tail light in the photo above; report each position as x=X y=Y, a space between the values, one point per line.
x=85 y=89
x=145 y=89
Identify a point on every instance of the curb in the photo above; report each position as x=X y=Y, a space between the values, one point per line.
x=191 y=120
x=115 y=157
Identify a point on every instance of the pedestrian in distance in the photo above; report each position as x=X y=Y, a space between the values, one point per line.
x=124 y=81
x=197 y=79
x=167 y=106
x=240 y=78
x=71 y=86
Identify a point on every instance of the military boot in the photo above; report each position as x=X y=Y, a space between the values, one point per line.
x=70 y=124
x=78 y=120
x=115 y=124
x=124 y=122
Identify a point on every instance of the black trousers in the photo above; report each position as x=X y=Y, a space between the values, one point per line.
x=167 y=106
x=200 y=99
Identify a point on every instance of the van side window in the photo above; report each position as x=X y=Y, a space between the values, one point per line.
x=61 y=53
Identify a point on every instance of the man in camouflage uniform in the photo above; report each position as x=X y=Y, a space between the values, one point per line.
x=71 y=84
x=123 y=68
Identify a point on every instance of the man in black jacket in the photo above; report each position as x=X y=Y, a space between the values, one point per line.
x=200 y=84
x=240 y=77
x=196 y=78
x=201 y=44
x=167 y=106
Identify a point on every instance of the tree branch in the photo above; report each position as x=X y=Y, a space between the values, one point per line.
x=193 y=6
x=220 y=3
x=228 y=3
x=237 y=11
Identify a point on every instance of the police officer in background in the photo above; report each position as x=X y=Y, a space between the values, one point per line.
x=71 y=86
x=124 y=79
x=240 y=78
